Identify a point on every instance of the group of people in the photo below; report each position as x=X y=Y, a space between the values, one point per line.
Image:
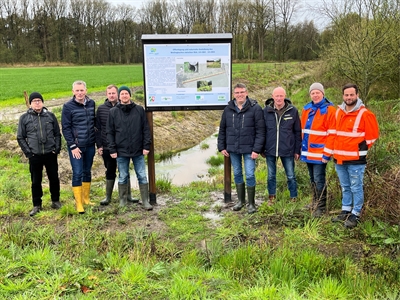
x=322 y=132
x=121 y=132
x=119 y=128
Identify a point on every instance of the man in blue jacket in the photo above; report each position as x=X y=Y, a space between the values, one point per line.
x=40 y=139
x=283 y=140
x=241 y=137
x=78 y=127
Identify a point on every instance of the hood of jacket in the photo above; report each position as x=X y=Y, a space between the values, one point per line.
x=358 y=105
x=126 y=107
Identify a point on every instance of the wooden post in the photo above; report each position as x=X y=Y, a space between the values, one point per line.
x=26 y=99
x=227 y=180
x=151 y=165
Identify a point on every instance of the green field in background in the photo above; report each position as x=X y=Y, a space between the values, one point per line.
x=54 y=82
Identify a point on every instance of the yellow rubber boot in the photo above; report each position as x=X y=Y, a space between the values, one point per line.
x=86 y=193
x=78 y=199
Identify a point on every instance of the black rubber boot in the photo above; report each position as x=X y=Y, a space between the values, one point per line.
x=313 y=204
x=241 y=193
x=321 y=203
x=123 y=193
x=109 y=190
x=130 y=199
x=251 y=193
x=144 y=194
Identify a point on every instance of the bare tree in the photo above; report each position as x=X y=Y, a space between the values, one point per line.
x=284 y=11
x=260 y=16
x=157 y=17
x=365 y=43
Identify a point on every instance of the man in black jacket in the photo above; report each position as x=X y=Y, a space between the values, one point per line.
x=40 y=139
x=128 y=138
x=283 y=139
x=241 y=137
x=102 y=145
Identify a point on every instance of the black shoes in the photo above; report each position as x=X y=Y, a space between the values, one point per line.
x=38 y=208
x=318 y=213
x=35 y=210
x=344 y=214
x=56 y=204
x=352 y=221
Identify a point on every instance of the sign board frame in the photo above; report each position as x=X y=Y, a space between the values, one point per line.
x=187 y=71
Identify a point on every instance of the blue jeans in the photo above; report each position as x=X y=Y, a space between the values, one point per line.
x=351 y=180
x=249 y=167
x=288 y=164
x=139 y=166
x=317 y=174
x=82 y=168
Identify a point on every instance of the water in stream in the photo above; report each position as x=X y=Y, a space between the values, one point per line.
x=189 y=165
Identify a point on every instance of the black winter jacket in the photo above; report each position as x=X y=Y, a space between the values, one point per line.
x=283 y=134
x=79 y=123
x=101 y=122
x=244 y=131
x=128 y=131
x=38 y=134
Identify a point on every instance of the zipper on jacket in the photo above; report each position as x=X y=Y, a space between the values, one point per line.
x=243 y=121
x=41 y=133
x=278 y=122
x=233 y=120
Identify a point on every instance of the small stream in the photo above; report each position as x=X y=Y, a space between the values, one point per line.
x=189 y=165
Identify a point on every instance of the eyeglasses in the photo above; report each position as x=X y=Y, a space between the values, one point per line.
x=37 y=100
x=243 y=92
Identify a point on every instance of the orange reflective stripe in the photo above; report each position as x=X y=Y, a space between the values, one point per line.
x=351 y=153
x=315 y=132
x=310 y=154
x=358 y=119
x=350 y=134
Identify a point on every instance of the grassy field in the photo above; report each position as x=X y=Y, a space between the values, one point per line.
x=193 y=246
x=55 y=82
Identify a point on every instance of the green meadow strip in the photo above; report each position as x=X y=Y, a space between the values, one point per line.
x=54 y=82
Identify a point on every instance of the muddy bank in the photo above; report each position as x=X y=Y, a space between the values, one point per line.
x=173 y=131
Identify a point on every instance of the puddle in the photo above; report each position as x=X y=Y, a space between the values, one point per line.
x=212 y=216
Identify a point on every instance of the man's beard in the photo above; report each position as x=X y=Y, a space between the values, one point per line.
x=351 y=103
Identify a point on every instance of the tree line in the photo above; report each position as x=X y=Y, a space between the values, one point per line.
x=96 y=32
x=360 y=41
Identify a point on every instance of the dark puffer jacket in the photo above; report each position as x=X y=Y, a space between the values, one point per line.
x=244 y=131
x=128 y=131
x=101 y=122
x=38 y=134
x=283 y=133
x=78 y=123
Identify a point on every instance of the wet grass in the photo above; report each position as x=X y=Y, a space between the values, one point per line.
x=174 y=252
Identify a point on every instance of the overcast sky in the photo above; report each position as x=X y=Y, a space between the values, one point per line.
x=135 y=3
x=304 y=14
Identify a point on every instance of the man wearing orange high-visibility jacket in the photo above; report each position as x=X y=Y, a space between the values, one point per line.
x=318 y=133
x=356 y=131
